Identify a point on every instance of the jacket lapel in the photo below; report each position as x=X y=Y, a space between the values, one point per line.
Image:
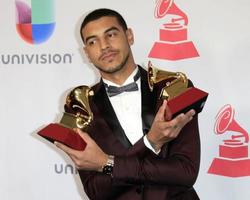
x=149 y=101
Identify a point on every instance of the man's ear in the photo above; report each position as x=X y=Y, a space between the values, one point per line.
x=130 y=36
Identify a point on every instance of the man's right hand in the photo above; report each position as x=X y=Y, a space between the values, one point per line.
x=165 y=129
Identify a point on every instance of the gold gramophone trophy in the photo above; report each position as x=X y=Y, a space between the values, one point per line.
x=77 y=115
x=175 y=89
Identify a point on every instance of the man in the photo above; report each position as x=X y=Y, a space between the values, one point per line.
x=134 y=151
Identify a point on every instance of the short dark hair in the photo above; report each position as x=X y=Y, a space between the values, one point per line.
x=103 y=12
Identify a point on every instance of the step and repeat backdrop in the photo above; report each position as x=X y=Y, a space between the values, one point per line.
x=41 y=60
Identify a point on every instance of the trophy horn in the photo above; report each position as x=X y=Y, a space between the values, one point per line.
x=77 y=103
x=174 y=82
x=155 y=75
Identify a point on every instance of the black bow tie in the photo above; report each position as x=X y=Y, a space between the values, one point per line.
x=113 y=90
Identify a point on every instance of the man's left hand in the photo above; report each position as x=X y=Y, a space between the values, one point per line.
x=92 y=158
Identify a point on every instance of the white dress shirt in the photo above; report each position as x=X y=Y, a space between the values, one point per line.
x=127 y=107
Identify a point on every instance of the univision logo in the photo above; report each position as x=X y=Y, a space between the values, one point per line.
x=65 y=169
x=35 y=24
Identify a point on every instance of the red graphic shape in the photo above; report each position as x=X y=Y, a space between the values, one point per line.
x=233 y=151
x=173 y=44
x=225 y=122
x=233 y=142
x=173 y=35
x=230 y=168
x=25 y=32
x=233 y=158
x=172 y=51
x=162 y=7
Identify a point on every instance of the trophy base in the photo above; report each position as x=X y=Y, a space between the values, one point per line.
x=173 y=51
x=230 y=168
x=56 y=132
x=193 y=98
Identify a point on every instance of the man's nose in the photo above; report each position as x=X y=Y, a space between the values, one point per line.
x=104 y=44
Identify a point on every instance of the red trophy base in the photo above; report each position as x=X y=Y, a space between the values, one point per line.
x=173 y=51
x=193 y=98
x=56 y=132
x=230 y=168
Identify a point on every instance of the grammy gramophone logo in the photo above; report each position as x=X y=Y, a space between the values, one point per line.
x=173 y=42
x=233 y=160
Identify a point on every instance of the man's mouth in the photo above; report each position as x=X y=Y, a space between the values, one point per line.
x=108 y=55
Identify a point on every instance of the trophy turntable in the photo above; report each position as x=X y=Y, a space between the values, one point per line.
x=77 y=115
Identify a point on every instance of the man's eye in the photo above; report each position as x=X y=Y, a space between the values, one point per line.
x=91 y=42
x=111 y=34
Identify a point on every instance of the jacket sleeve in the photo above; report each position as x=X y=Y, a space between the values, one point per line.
x=101 y=186
x=177 y=164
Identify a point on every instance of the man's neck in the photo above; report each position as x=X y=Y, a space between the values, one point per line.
x=120 y=76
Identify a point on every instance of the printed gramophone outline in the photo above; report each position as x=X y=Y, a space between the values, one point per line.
x=173 y=43
x=233 y=160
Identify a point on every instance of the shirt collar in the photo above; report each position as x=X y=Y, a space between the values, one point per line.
x=130 y=79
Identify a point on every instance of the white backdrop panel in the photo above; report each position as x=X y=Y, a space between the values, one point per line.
x=33 y=94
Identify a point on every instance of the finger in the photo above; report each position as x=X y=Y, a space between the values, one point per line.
x=65 y=148
x=160 y=115
x=168 y=113
x=182 y=119
x=85 y=136
x=190 y=113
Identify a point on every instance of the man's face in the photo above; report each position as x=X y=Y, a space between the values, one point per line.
x=107 y=45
